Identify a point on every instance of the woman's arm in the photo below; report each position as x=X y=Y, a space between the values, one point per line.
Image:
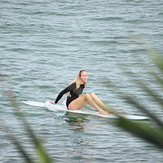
x=66 y=90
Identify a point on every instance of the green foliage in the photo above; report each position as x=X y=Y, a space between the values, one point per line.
x=153 y=131
x=42 y=156
x=143 y=130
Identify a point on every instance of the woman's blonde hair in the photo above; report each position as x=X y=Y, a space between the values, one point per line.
x=77 y=80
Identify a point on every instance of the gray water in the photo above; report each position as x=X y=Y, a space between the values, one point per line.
x=43 y=45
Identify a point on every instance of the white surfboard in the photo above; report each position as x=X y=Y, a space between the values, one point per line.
x=59 y=108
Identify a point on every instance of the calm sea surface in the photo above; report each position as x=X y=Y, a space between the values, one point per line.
x=43 y=45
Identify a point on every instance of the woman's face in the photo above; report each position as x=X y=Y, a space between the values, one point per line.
x=84 y=77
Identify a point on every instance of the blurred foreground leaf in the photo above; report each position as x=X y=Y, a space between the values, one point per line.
x=153 y=130
x=143 y=130
x=42 y=155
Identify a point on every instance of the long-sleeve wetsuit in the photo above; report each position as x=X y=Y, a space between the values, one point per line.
x=73 y=94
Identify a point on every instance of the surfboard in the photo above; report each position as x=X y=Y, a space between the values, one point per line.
x=62 y=108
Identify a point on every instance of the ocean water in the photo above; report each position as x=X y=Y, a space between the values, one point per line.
x=43 y=45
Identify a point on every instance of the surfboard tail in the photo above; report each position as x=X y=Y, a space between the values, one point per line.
x=34 y=103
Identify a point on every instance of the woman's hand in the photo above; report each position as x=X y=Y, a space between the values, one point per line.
x=52 y=102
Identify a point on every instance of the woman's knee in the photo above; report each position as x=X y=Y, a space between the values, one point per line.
x=86 y=96
x=89 y=95
x=92 y=95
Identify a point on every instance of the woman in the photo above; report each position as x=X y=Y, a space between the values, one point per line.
x=75 y=102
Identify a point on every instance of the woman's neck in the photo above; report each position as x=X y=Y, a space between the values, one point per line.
x=82 y=82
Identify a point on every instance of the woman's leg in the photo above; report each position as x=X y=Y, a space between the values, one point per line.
x=100 y=103
x=82 y=101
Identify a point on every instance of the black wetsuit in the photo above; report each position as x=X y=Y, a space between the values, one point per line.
x=73 y=94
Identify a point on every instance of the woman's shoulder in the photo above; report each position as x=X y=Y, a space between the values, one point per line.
x=72 y=85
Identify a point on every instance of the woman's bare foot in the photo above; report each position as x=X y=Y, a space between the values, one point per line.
x=103 y=112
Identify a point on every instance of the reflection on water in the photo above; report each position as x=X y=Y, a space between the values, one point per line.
x=77 y=121
x=78 y=141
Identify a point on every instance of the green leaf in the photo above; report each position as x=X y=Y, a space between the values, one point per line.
x=143 y=130
x=42 y=155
